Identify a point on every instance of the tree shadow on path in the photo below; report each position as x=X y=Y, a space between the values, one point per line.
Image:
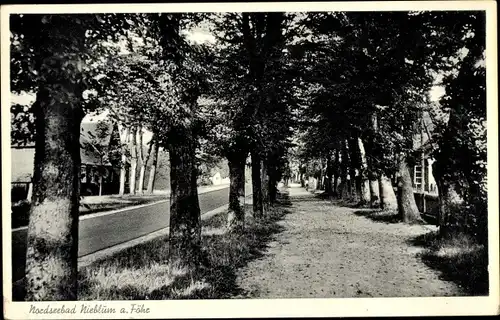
x=228 y=252
x=457 y=258
x=377 y=215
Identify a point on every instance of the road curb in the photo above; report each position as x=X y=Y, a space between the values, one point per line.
x=86 y=260
x=105 y=213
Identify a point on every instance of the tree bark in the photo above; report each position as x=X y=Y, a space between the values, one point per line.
x=52 y=244
x=133 y=160
x=374 y=177
x=345 y=191
x=355 y=183
x=256 y=186
x=142 y=169
x=364 y=182
x=123 y=168
x=144 y=161
x=329 y=177
x=407 y=207
x=265 y=187
x=152 y=169
x=273 y=187
x=336 y=173
x=388 y=200
x=142 y=177
x=185 y=220
x=374 y=193
x=236 y=212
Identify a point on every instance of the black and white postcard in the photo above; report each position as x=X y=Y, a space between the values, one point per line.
x=228 y=160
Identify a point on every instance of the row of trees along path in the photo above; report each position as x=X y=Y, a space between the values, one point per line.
x=344 y=89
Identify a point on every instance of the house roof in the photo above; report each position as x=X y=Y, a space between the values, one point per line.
x=93 y=138
x=429 y=126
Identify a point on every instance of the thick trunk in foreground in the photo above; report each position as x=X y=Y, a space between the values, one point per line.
x=388 y=200
x=407 y=207
x=185 y=221
x=152 y=169
x=52 y=245
x=256 y=186
x=236 y=212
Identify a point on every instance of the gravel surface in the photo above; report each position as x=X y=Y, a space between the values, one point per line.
x=326 y=251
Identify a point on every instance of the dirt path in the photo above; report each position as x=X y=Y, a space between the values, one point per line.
x=327 y=251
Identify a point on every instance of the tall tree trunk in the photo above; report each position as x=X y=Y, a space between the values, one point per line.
x=354 y=191
x=142 y=177
x=265 y=187
x=364 y=181
x=133 y=160
x=256 y=186
x=336 y=173
x=407 y=207
x=388 y=200
x=345 y=192
x=329 y=176
x=142 y=169
x=236 y=212
x=185 y=220
x=374 y=192
x=355 y=186
x=100 y=185
x=144 y=161
x=373 y=181
x=123 y=168
x=273 y=191
x=375 y=177
x=52 y=245
x=273 y=185
x=152 y=169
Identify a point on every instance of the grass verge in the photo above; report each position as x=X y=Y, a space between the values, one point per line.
x=459 y=258
x=143 y=272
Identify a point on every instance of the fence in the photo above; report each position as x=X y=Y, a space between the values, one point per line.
x=428 y=205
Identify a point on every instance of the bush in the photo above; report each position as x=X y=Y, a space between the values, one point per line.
x=20 y=213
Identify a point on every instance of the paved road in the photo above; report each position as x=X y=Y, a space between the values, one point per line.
x=104 y=231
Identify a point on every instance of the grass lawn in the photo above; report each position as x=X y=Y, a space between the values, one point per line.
x=459 y=258
x=143 y=272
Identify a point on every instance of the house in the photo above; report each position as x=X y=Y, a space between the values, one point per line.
x=424 y=183
x=99 y=166
x=423 y=179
